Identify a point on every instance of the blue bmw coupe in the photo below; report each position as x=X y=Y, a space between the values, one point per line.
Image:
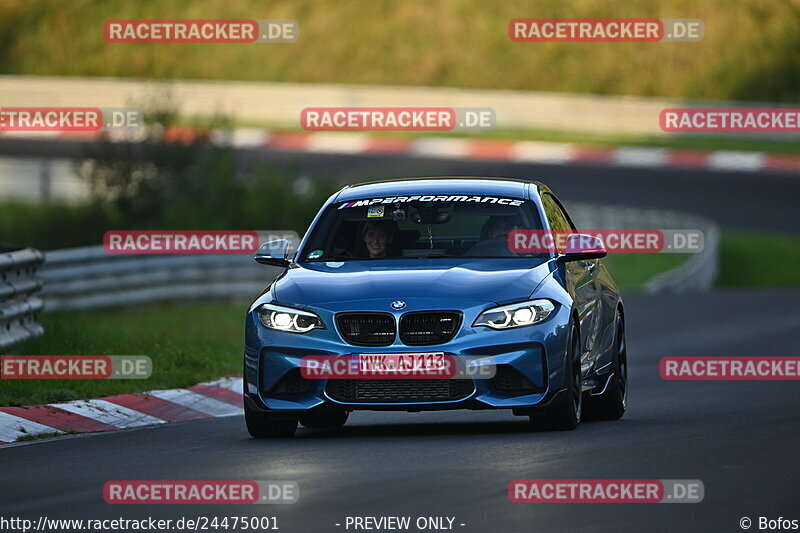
x=423 y=268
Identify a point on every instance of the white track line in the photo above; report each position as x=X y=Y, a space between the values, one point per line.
x=109 y=413
x=433 y=147
x=736 y=161
x=198 y=402
x=241 y=137
x=13 y=427
x=641 y=157
x=338 y=143
x=232 y=384
x=541 y=152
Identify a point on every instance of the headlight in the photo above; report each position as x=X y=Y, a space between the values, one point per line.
x=288 y=319
x=515 y=315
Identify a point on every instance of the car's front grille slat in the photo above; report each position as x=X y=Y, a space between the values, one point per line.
x=367 y=329
x=429 y=327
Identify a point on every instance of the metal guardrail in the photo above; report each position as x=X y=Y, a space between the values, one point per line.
x=697 y=273
x=89 y=277
x=18 y=301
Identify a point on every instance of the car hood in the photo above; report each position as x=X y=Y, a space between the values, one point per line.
x=484 y=280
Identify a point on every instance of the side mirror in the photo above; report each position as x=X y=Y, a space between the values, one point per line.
x=273 y=253
x=582 y=247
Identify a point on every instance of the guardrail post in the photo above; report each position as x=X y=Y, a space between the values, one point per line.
x=19 y=303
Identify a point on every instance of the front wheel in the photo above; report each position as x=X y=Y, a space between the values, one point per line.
x=268 y=426
x=567 y=415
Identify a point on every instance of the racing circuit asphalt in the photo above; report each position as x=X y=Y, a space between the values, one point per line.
x=740 y=438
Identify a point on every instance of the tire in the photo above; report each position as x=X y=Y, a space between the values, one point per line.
x=567 y=415
x=327 y=418
x=263 y=425
x=266 y=426
x=612 y=403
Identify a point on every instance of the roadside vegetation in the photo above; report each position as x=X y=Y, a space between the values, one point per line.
x=748 y=52
x=187 y=344
x=758 y=260
x=170 y=179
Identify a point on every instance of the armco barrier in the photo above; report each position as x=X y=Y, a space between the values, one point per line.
x=88 y=277
x=697 y=273
x=19 y=303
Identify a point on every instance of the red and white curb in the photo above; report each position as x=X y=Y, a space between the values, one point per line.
x=207 y=400
x=476 y=149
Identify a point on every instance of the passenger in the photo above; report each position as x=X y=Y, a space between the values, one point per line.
x=494 y=238
x=498 y=227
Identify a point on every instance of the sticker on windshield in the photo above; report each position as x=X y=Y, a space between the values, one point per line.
x=515 y=202
x=315 y=254
x=375 y=211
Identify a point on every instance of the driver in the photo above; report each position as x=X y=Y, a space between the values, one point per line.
x=378 y=235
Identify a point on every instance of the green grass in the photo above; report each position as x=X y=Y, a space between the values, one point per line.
x=45 y=435
x=631 y=271
x=749 y=50
x=758 y=260
x=187 y=344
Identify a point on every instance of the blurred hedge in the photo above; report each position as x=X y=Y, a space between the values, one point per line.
x=165 y=181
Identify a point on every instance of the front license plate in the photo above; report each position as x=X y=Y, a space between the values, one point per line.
x=402 y=363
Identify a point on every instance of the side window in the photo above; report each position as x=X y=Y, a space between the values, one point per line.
x=556 y=216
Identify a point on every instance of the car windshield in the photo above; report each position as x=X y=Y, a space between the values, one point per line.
x=419 y=227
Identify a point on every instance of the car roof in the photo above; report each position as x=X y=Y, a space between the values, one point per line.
x=514 y=187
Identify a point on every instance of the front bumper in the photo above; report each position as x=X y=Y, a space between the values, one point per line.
x=533 y=356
